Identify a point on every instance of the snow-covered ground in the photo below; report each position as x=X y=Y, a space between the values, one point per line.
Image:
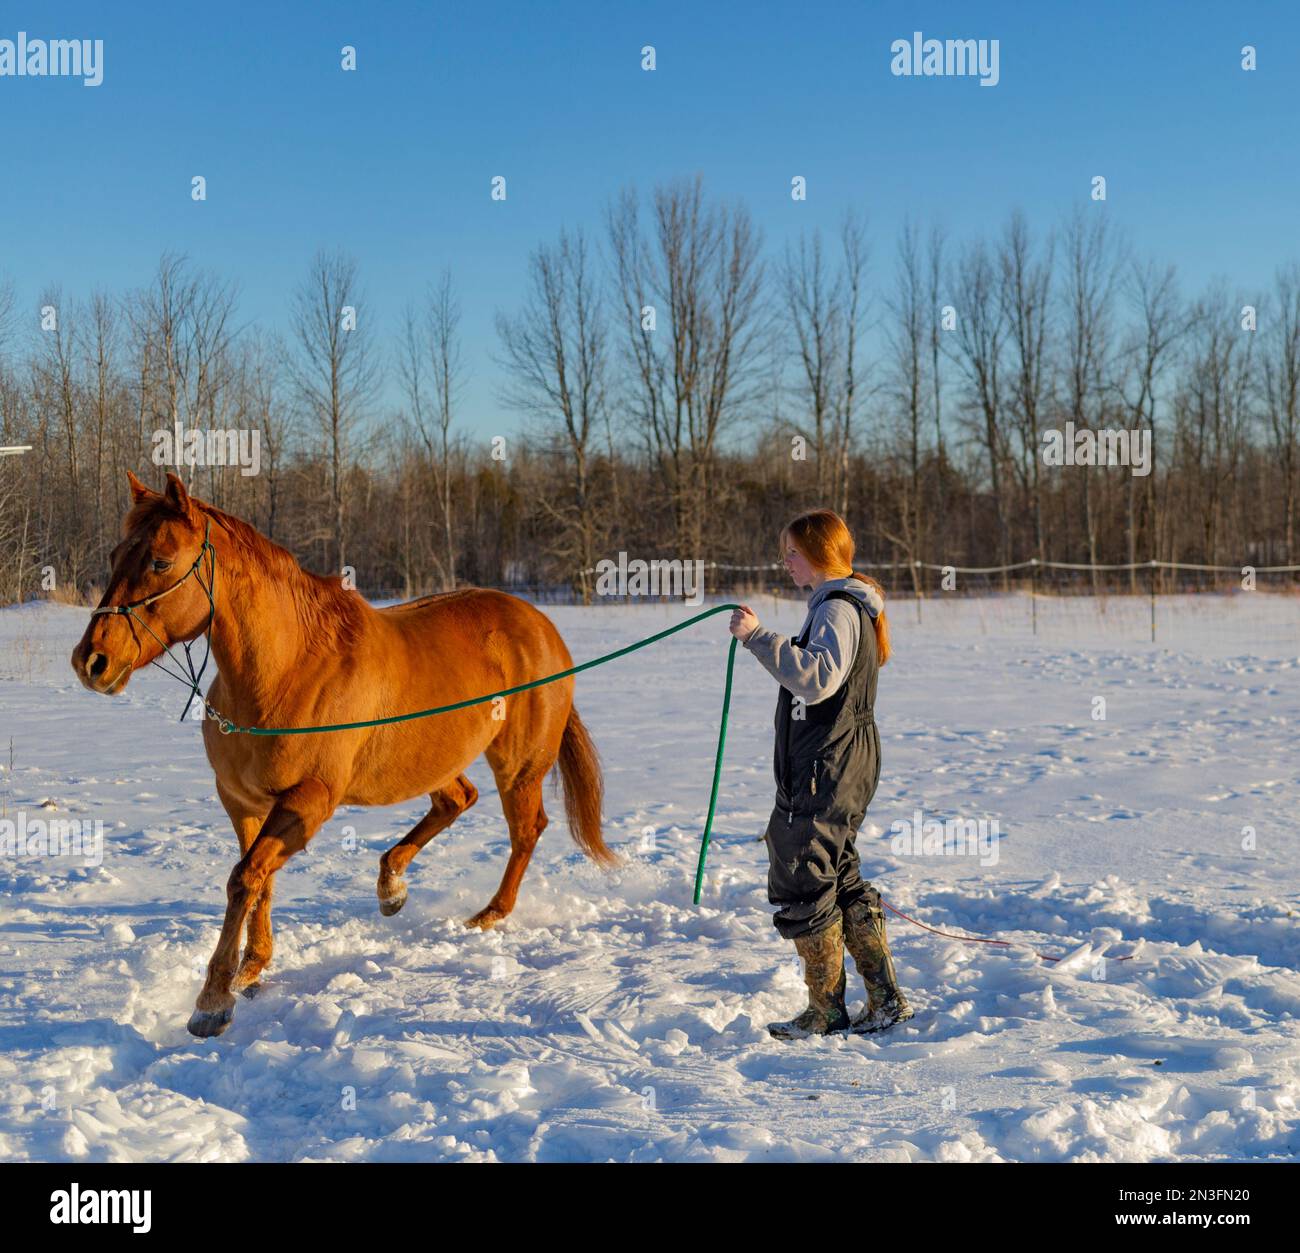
x=609 y=1018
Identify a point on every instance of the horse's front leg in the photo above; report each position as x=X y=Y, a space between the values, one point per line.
x=257 y=950
x=258 y=945
x=296 y=816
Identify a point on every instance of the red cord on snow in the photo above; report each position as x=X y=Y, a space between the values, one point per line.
x=979 y=939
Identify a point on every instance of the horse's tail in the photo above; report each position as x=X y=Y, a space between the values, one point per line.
x=584 y=790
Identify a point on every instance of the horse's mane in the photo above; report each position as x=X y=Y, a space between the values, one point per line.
x=329 y=612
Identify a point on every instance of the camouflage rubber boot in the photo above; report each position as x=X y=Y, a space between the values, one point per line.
x=864 y=937
x=823 y=971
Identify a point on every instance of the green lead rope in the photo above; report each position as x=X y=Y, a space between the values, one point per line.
x=717 y=765
x=230 y=728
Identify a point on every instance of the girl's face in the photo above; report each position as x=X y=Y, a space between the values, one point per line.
x=797 y=566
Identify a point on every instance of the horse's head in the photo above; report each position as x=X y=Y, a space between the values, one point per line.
x=153 y=572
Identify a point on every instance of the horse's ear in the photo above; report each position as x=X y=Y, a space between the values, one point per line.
x=139 y=491
x=176 y=495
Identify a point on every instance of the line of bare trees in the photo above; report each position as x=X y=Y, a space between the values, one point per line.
x=680 y=390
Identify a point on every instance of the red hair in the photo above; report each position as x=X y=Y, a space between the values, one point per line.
x=824 y=539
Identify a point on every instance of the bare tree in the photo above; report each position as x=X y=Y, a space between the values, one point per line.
x=814 y=305
x=8 y=303
x=15 y=500
x=695 y=333
x=1212 y=411
x=100 y=348
x=978 y=351
x=823 y=302
x=934 y=289
x=853 y=246
x=1152 y=295
x=1280 y=385
x=906 y=337
x=1091 y=270
x=210 y=352
x=58 y=396
x=263 y=406
x=334 y=371
x=554 y=352
x=182 y=327
x=1026 y=279
x=433 y=376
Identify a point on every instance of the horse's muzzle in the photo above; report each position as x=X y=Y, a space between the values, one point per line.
x=97 y=670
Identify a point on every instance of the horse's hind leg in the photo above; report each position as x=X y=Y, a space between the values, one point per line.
x=448 y=805
x=522 y=802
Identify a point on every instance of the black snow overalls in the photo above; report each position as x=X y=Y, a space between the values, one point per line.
x=827 y=765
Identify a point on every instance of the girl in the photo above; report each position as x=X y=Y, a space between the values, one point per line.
x=827 y=764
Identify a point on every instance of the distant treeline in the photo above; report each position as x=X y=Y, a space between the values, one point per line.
x=684 y=391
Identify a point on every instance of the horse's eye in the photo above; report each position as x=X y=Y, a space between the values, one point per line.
x=160 y=566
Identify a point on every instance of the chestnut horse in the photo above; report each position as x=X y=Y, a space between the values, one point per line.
x=295 y=649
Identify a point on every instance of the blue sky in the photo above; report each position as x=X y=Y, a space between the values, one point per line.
x=393 y=162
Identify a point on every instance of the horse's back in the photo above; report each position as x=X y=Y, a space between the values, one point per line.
x=434 y=598
x=477 y=614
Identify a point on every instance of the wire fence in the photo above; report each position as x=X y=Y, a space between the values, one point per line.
x=902 y=580
x=1032 y=595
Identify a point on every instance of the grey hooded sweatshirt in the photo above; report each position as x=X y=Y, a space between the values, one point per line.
x=815 y=672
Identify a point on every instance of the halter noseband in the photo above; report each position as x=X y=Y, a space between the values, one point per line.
x=128 y=609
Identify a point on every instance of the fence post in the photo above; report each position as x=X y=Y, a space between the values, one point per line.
x=1033 y=591
x=919 y=576
x=1153 y=600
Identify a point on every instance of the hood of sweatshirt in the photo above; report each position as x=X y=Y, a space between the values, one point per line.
x=855 y=587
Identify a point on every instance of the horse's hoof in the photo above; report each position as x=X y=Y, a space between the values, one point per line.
x=204 y=1023
x=485 y=919
x=250 y=990
x=389 y=905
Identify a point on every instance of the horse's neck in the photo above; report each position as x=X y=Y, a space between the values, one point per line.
x=257 y=634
